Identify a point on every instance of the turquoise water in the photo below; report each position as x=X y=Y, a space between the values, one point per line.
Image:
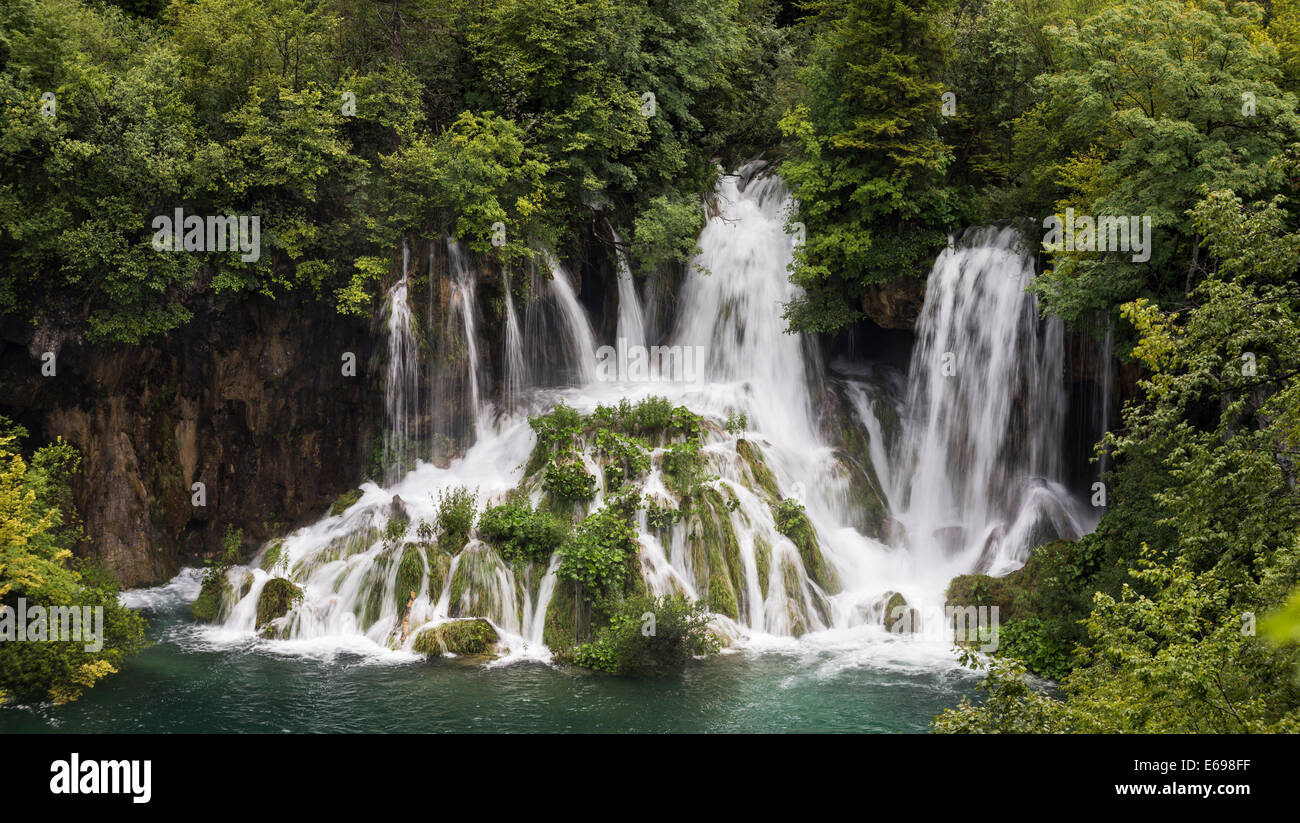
x=186 y=683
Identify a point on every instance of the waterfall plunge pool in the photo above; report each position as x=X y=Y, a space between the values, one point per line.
x=191 y=681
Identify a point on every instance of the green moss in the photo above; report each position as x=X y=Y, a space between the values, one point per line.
x=794 y=598
x=763 y=560
x=439 y=568
x=410 y=574
x=760 y=476
x=565 y=625
x=792 y=521
x=474 y=636
x=345 y=501
x=473 y=584
x=216 y=590
x=277 y=597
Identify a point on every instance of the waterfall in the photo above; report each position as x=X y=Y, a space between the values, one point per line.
x=463 y=281
x=631 y=323
x=515 y=368
x=905 y=482
x=577 y=328
x=402 y=378
x=980 y=467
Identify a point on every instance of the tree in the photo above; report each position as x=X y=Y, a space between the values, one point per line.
x=867 y=162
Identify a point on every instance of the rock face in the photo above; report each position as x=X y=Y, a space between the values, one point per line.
x=895 y=304
x=249 y=400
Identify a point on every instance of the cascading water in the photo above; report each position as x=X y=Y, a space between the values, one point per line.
x=515 y=367
x=463 y=304
x=402 y=378
x=940 y=484
x=979 y=477
x=631 y=322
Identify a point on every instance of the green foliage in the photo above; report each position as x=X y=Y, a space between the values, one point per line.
x=1012 y=706
x=344 y=502
x=867 y=161
x=1031 y=642
x=518 y=532
x=467 y=114
x=665 y=233
x=36 y=538
x=684 y=469
x=1126 y=129
x=650 y=637
x=736 y=423
x=455 y=518
x=568 y=480
x=600 y=552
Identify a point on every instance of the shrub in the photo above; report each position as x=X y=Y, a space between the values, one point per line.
x=569 y=480
x=518 y=532
x=596 y=555
x=650 y=637
x=455 y=518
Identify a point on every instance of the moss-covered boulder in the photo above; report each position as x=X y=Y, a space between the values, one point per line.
x=792 y=521
x=760 y=477
x=715 y=555
x=474 y=588
x=213 y=595
x=897 y=616
x=472 y=637
x=278 y=596
x=1017 y=594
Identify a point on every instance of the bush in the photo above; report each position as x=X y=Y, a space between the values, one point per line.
x=597 y=554
x=455 y=518
x=1030 y=641
x=569 y=481
x=518 y=532
x=650 y=637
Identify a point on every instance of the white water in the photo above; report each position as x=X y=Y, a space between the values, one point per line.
x=973 y=480
x=631 y=322
x=402 y=385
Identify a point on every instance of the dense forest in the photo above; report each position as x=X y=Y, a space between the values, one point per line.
x=350 y=126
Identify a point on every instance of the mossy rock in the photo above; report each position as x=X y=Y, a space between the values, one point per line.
x=277 y=598
x=212 y=597
x=760 y=475
x=344 y=502
x=410 y=576
x=896 y=614
x=474 y=636
x=1020 y=594
x=473 y=591
x=715 y=555
x=439 y=568
x=796 y=526
x=763 y=561
x=567 y=621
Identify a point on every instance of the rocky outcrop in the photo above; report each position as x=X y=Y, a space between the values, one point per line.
x=895 y=304
x=250 y=399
